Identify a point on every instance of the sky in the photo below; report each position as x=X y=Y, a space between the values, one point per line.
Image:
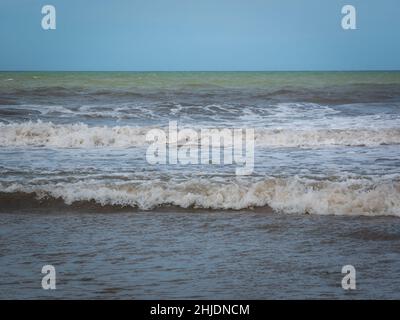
x=204 y=35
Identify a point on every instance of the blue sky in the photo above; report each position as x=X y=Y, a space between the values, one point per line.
x=199 y=35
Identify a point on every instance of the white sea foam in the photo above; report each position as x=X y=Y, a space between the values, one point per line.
x=79 y=135
x=314 y=137
x=288 y=195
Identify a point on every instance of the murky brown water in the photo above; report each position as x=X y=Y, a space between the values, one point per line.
x=197 y=254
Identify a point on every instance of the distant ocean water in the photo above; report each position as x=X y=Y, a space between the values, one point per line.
x=76 y=190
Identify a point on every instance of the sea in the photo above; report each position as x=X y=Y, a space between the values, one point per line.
x=77 y=190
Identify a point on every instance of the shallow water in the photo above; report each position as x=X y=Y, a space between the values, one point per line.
x=198 y=254
x=77 y=191
x=325 y=142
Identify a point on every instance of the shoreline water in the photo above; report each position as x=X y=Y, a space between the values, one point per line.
x=77 y=192
x=210 y=255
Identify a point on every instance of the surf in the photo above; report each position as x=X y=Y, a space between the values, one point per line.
x=292 y=195
x=80 y=135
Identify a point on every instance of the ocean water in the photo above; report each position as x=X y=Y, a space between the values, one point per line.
x=77 y=192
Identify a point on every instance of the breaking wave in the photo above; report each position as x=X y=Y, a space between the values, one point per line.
x=79 y=135
x=288 y=195
x=47 y=134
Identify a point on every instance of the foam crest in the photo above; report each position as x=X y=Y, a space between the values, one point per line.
x=287 y=195
x=327 y=137
x=47 y=134
x=79 y=135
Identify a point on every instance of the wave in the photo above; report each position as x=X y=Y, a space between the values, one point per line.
x=327 y=137
x=79 y=135
x=47 y=134
x=286 y=195
x=156 y=90
x=62 y=91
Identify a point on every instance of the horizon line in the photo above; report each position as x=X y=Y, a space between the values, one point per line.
x=328 y=70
